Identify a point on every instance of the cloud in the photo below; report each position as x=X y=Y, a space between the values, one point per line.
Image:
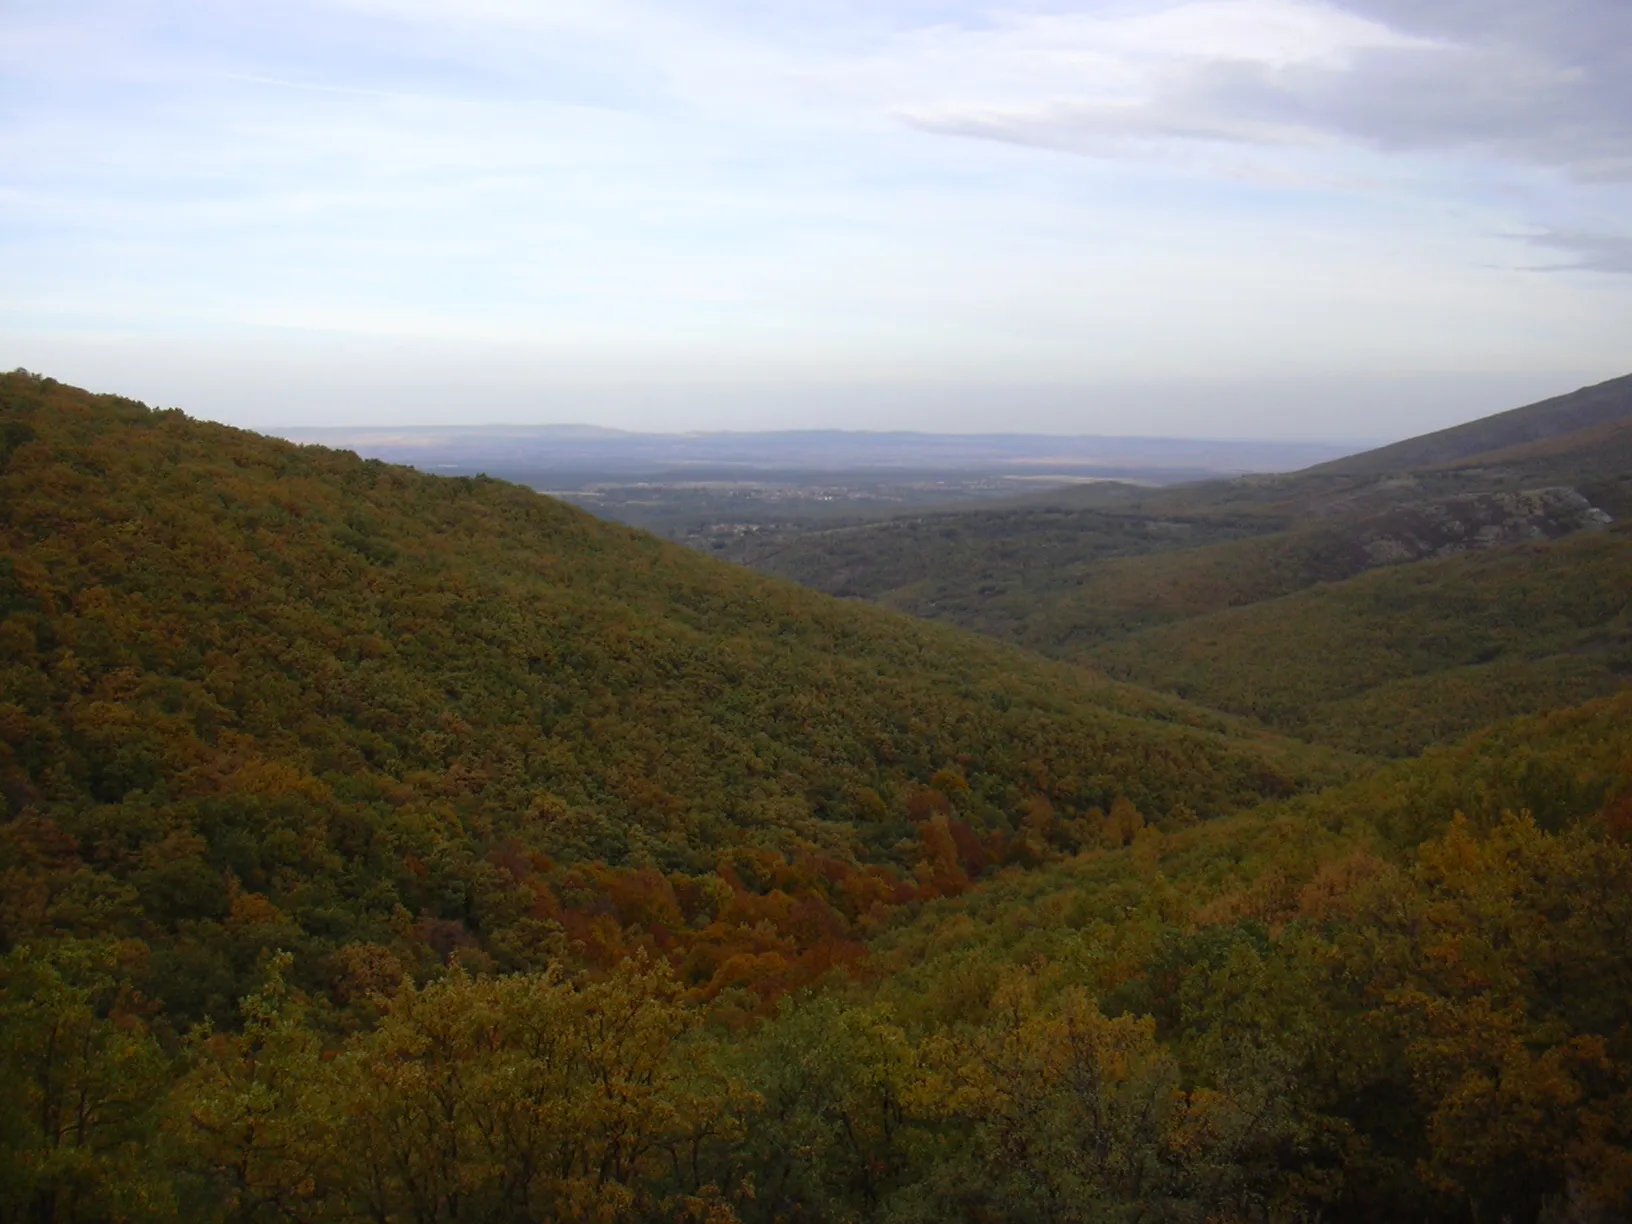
x=1593 y=252
x=1543 y=85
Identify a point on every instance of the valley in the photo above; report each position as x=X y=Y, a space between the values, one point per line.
x=388 y=846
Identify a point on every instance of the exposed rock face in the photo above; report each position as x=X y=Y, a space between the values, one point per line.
x=1485 y=520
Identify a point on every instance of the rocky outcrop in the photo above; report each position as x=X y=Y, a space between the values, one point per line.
x=1485 y=520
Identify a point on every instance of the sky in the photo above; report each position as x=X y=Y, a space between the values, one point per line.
x=1351 y=220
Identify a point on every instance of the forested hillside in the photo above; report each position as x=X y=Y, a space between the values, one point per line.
x=1407 y=656
x=387 y=848
x=373 y=698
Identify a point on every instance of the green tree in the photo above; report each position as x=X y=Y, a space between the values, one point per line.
x=80 y=1080
x=253 y=1119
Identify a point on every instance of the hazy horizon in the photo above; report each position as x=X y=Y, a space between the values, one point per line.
x=1309 y=219
x=566 y=427
x=1270 y=411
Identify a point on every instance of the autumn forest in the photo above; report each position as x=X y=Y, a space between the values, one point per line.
x=392 y=848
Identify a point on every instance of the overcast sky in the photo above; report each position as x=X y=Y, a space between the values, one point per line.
x=1224 y=218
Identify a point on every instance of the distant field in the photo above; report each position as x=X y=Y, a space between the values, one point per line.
x=571 y=452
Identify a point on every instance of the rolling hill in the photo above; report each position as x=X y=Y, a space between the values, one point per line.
x=379 y=847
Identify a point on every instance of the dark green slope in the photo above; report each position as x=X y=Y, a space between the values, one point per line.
x=197 y=615
x=1403 y=657
x=1065 y=582
x=989 y=569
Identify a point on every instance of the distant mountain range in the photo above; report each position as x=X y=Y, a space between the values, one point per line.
x=551 y=452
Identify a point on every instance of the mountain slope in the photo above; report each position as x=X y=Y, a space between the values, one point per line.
x=1602 y=404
